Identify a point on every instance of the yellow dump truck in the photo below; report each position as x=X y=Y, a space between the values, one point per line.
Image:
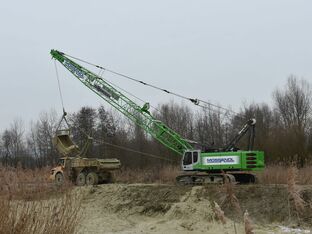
x=78 y=169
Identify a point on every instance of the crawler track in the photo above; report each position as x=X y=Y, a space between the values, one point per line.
x=215 y=178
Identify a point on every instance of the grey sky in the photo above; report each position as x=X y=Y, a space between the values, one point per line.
x=223 y=51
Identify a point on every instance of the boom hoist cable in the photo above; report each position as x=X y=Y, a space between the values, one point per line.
x=196 y=101
x=141 y=116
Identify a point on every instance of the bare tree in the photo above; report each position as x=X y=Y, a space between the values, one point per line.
x=283 y=131
x=39 y=140
x=210 y=128
x=293 y=104
x=13 y=143
x=178 y=117
x=6 y=147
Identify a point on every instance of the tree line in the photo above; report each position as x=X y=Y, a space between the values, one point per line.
x=283 y=131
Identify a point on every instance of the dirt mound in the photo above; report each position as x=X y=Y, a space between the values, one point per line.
x=192 y=210
x=142 y=208
x=265 y=203
x=148 y=200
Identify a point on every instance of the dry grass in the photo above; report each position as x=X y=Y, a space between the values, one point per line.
x=165 y=175
x=27 y=184
x=277 y=175
x=30 y=204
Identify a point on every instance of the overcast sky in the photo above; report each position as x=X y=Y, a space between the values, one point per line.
x=227 y=52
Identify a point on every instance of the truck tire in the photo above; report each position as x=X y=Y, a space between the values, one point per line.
x=59 y=179
x=106 y=177
x=81 y=179
x=92 y=178
x=110 y=178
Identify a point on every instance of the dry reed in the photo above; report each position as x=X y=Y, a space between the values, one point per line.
x=219 y=213
x=294 y=191
x=248 y=224
x=275 y=174
x=30 y=204
x=229 y=197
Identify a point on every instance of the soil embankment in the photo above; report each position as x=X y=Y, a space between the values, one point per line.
x=154 y=208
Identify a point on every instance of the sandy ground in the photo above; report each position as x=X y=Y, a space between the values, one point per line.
x=142 y=208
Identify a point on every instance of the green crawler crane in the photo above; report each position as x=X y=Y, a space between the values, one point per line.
x=199 y=165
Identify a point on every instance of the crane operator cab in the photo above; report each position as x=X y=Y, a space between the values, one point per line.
x=190 y=158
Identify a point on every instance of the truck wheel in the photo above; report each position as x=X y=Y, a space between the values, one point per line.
x=110 y=178
x=59 y=179
x=106 y=177
x=92 y=179
x=81 y=179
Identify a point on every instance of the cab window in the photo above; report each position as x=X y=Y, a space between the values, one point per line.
x=187 y=158
x=195 y=157
x=61 y=162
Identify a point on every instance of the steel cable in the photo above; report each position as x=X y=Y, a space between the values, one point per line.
x=117 y=146
x=59 y=85
x=195 y=101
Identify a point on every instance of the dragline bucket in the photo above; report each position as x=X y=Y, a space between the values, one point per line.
x=64 y=145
